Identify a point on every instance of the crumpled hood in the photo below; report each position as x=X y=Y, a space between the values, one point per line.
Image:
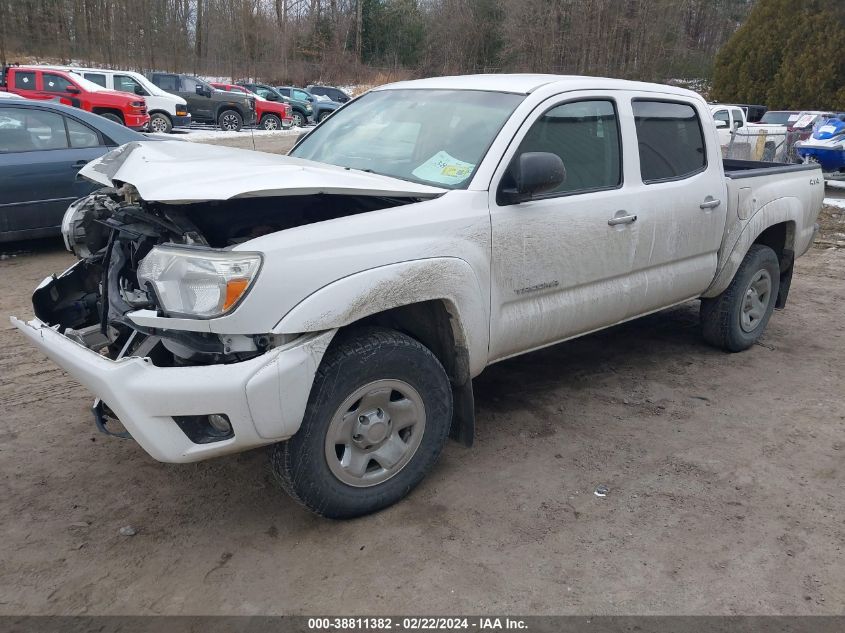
x=180 y=172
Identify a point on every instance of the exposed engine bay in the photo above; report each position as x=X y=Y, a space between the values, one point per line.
x=113 y=230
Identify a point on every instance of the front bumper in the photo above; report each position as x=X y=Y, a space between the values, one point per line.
x=137 y=122
x=264 y=398
x=181 y=121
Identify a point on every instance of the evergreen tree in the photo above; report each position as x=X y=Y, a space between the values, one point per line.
x=790 y=54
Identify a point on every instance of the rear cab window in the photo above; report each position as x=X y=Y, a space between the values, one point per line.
x=24 y=80
x=670 y=140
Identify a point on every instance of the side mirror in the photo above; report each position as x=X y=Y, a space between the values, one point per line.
x=72 y=90
x=532 y=173
x=721 y=125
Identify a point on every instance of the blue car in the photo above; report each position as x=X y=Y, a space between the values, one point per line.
x=43 y=145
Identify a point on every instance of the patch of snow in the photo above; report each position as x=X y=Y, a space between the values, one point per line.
x=835 y=202
x=835 y=184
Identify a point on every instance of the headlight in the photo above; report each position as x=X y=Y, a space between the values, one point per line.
x=197 y=282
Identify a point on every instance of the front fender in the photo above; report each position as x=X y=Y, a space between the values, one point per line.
x=376 y=290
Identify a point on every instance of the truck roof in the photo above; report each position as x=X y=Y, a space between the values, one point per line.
x=528 y=83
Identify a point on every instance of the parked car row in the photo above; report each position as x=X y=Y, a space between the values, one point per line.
x=271 y=114
x=161 y=101
x=52 y=84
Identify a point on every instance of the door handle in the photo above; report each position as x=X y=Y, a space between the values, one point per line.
x=622 y=219
x=710 y=203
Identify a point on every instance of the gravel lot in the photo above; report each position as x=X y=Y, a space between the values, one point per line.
x=725 y=476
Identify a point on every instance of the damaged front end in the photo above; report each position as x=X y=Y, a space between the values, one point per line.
x=114 y=234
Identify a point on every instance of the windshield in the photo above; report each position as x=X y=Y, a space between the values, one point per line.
x=428 y=136
x=778 y=118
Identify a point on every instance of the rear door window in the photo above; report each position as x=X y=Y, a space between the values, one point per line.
x=670 y=140
x=29 y=129
x=24 y=80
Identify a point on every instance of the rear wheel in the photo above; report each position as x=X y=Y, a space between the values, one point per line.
x=160 y=123
x=111 y=116
x=323 y=115
x=738 y=317
x=230 y=121
x=271 y=122
x=377 y=419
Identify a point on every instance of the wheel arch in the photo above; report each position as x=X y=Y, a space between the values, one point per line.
x=228 y=106
x=774 y=225
x=115 y=111
x=160 y=111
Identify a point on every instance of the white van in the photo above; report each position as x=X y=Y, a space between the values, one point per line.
x=166 y=110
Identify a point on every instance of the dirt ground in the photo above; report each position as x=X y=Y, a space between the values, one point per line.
x=725 y=473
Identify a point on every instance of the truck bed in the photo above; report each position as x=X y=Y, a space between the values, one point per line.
x=736 y=169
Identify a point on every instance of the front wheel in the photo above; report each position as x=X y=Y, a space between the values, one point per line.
x=160 y=123
x=271 y=122
x=297 y=119
x=737 y=318
x=377 y=419
x=230 y=121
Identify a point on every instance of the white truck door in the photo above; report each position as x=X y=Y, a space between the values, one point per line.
x=681 y=201
x=561 y=261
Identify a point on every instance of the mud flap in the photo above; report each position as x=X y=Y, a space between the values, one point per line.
x=787 y=264
x=463 y=414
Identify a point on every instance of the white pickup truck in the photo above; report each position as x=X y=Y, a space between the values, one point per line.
x=337 y=302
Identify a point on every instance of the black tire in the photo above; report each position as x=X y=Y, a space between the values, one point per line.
x=298 y=119
x=353 y=362
x=323 y=115
x=722 y=316
x=111 y=116
x=271 y=122
x=160 y=123
x=230 y=120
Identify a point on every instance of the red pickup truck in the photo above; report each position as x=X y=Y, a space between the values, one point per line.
x=269 y=114
x=47 y=84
